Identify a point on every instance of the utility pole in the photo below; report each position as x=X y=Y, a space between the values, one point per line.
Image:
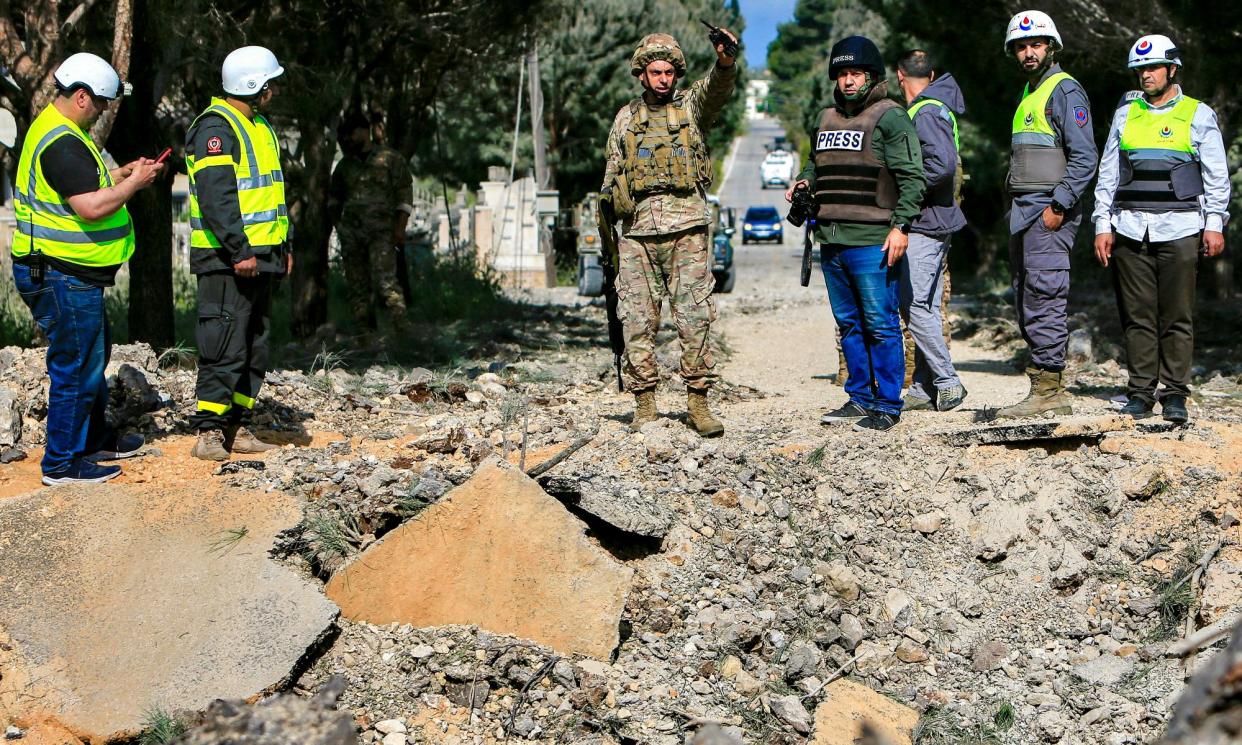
x=539 y=138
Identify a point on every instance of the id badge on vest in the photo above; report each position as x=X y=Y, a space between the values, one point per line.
x=840 y=139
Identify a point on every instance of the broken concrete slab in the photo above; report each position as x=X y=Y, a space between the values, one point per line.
x=287 y=718
x=497 y=552
x=839 y=717
x=1030 y=431
x=625 y=513
x=120 y=598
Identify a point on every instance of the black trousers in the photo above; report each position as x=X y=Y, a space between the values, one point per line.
x=234 y=322
x=1155 y=285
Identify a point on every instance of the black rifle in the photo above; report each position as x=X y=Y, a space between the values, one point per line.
x=610 y=260
x=718 y=36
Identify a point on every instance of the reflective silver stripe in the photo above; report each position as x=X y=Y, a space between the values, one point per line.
x=73 y=236
x=1155 y=153
x=56 y=131
x=241 y=130
x=278 y=176
x=1033 y=138
x=252 y=218
x=251 y=183
x=38 y=205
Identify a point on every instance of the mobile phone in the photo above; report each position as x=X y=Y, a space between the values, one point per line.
x=163 y=156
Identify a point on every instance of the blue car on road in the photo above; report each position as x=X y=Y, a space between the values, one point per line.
x=762 y=224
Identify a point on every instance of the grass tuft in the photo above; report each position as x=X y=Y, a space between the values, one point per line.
x=940 y=726
x=160 y=727
x=227 y=540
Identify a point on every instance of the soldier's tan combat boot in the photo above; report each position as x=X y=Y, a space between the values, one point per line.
x=701 y=416
x=1047 y=396
x=244 y=441
x=210 y=445
x=644 y=409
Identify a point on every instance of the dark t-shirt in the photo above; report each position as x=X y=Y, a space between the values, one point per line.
x=71 y=170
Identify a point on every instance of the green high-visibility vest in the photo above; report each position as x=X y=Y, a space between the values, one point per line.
x=260 y=182
x=957 y=141
x=1159 y=168
x=46 y=223
x=1036 y=162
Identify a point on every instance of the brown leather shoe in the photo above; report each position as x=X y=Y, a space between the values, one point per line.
x=244 y=441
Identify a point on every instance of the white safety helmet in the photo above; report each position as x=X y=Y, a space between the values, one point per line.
x=1154 y=49
x=248 y=69
x=89 y=71
x=1030 y=24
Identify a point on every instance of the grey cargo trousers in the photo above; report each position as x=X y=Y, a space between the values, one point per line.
x=1039 y=260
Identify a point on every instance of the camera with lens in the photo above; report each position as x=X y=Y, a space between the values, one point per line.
x=802 y=208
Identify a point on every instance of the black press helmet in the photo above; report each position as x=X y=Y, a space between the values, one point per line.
x=856 y=52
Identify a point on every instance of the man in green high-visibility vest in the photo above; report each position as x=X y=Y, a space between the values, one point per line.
x=238 y=244
x=1051 y=164
x=1161 y=201
x=72 y=235
x=933 y=103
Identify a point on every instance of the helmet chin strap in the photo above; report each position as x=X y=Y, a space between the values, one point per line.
x=861 y=92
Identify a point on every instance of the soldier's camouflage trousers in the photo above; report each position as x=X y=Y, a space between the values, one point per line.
x=369 y=262
x=677 y=266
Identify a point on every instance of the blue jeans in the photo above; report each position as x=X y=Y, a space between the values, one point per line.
x=71 y=314
x=865 y=298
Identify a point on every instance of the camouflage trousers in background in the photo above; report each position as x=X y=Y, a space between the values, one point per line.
x=370 y=266
x=843 y=373
x=677 y=266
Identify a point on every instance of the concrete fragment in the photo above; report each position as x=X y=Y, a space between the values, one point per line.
x=789 y=709
x=554 y=586
x=988 y=656
x=287 y=718
x=1030 y=431
x=637 y=516
x=132 y=596
x=1145 y=482
x=927 y=523
x=10 y=418
x=1105 y=670
x=842 y=580
x=846 y=705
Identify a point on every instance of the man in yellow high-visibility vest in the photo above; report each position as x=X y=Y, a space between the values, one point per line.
x=238 y=244
x=1162 y=201
x=73 y=233
x=1051 y=163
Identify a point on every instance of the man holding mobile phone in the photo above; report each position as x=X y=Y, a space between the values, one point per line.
x=73 y=234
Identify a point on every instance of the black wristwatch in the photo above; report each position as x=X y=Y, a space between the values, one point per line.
x=1057 y=208
x=903 y=227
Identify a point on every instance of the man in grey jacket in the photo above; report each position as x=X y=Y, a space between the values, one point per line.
x=1051 y=164
x=933 y=103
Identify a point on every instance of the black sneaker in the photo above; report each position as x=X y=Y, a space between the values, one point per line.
x=1139 y=408
x=877 y=421
x=950 y=398
x=916 y=403
x=1174 y=409
x=850 y=412
x=82 y=472
x=118 y=448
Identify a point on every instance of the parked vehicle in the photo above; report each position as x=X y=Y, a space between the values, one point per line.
x=590 y=272
x=720 y=232
x=762 y=224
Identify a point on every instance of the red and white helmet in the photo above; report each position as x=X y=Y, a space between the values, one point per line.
x=1154 y=49
x=1031 y=24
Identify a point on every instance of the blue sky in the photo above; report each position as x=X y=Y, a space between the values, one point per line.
x=761 y=19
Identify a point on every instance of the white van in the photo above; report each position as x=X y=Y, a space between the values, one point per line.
x=777 y=169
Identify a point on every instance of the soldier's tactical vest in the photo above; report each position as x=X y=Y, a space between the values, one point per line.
x=941 y=197
x=851 y=184
x=1036 y=159
x=46 y=223
x=1159 y=167
x=664 y=149
x=260 y=181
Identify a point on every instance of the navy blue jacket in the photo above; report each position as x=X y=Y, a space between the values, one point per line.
x=940 y=216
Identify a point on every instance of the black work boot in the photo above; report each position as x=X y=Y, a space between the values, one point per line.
x=1139 y=407
x=1173 y=408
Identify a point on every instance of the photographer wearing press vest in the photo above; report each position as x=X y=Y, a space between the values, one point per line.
x=867 y=175
x=1162 y=199
x=73 y=233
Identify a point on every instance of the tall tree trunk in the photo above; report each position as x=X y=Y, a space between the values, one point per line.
x=312 y=227
x=122 y=45
x=138 y=133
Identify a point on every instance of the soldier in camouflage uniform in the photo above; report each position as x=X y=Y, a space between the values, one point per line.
x=658 y=171
x=370 y=200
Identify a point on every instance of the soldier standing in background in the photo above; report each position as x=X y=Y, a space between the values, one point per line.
x=370 y=202
x=658 y=171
